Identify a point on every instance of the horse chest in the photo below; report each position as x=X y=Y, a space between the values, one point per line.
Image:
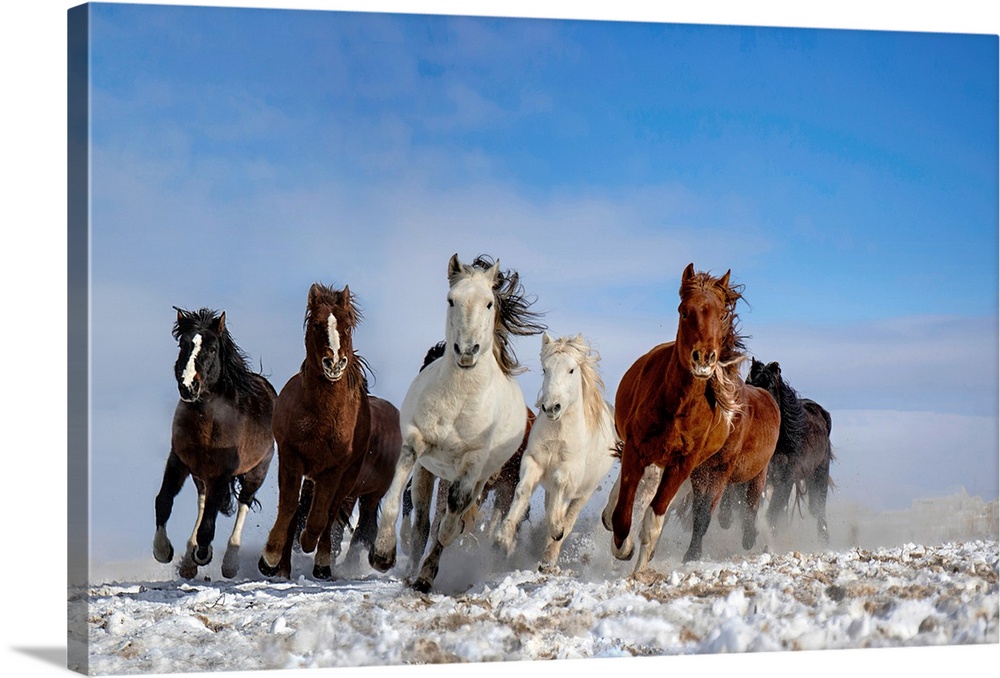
x=207 y=435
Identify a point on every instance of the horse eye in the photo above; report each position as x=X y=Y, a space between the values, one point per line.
x=489 y=305
x=451 y=302
x=572 y=370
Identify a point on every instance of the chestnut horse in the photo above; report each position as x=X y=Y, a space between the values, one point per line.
x=221 y=438
x=464 y=416
x=804 y=453
x=684 y=408
x=322 y=426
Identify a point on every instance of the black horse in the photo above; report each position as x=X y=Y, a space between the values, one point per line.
x=803 y=455
x=221 y=437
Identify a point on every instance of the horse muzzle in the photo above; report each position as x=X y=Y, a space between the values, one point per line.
x=553 y=412
x=189 y=394
x=333 y=371
x=466 y=358
x=702 y=365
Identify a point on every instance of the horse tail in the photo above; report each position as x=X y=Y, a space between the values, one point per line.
x=227 y=505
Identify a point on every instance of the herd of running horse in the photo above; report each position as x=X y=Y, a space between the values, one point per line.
x=464 y=434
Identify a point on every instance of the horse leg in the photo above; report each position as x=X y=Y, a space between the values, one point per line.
x=550 y=557
x=531 y=474
x=622 y=546
x=819 y=483
x=383 y=554
x=652 y=523
x=755 y=491
x=219 y=493
x=188 y=568
x=421 y=495
x=462 y=494
x=249 y=485
x=726 y=508
x=367 y=527
x=708 y=483
x=174 y=476
x=326 y=552
x=777 y=507
x=275 y=559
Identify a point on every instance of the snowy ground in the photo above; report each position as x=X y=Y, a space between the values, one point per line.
x=789 y=593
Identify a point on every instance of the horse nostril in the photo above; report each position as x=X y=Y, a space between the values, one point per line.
x=711 y=357
x=696 y=355
x=457 y=349
x=556 y=408
x=475 y=349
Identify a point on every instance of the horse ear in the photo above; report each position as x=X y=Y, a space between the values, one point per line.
x=345 y=296
x=219 y=326
x=546 y=338
x=724 y=280
x=774 y=368
x=688 y=273
x=180 y=313
x=454 y=266
x=313 y=293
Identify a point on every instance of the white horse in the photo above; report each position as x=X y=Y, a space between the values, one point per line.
x=464 y=415
x=571 y=446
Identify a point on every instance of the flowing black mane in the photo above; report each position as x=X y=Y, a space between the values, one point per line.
x=794 y=426
x=236 y=378
x=513 y=314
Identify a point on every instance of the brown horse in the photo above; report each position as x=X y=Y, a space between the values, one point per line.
x=322 y=426
x=221 y=438
x=683 y=408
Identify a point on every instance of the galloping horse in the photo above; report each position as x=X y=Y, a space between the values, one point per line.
x=570 y=447
x=322 y=426
x=221 y=438
x=464 y=415
x=501 y=484
x=683 y=407
x=803 y=454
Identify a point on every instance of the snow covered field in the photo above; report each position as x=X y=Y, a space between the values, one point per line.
x=789 y=593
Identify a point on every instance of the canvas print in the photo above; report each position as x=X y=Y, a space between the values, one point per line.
x=408 y=339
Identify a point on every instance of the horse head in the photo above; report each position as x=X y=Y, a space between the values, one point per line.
x=199 y=336
x=706 y=320
x=330 y=320
x=562 y=376
x=766 y=376
x=472 y=311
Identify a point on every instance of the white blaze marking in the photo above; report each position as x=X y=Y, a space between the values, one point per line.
x=189 y=370
x=334 y=335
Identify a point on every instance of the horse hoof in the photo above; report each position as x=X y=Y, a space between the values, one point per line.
x=188 y=570
x=322 y=572
x=164 y=556
x=422 y=585
x=624 y=554
x=382 y=563
x=202 y=556
x=691 y=555
x=266 y=569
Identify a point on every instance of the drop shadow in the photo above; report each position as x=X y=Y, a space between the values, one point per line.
x=50 y=655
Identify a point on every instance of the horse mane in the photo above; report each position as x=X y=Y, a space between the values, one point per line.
x=358 y=370
x=433 y=353
x=235 y=377
x=593 y=384
x=512 y=314
x=725 y=382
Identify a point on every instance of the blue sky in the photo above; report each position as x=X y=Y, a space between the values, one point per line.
x=848 y=178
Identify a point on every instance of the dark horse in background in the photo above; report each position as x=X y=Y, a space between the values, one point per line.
x=221 y=438
x=803 y=456
x=322 y=426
